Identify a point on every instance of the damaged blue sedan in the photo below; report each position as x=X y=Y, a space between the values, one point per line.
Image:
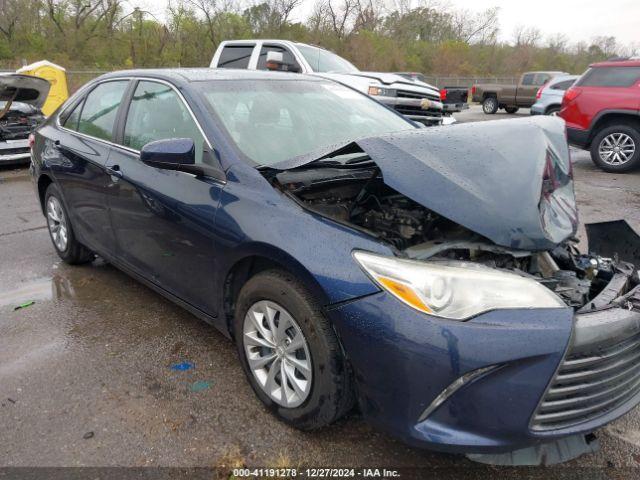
x=429 y=276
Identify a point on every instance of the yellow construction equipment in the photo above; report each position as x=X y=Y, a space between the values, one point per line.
x=56 y=75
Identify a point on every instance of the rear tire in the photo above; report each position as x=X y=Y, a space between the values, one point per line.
x=511 y=109
x=616 y=149
x=552 y=111
x=60 y=230
x=264 y=303
x=490 y=105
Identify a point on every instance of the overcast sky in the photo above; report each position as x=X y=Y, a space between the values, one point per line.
x=579 y=20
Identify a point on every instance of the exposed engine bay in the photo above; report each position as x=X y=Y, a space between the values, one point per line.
x=355 y=194
x=18 y=121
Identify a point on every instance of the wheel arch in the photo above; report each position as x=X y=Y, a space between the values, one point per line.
x=551 y=107
x=608 y=118
x=257 y=259
x=44 y=181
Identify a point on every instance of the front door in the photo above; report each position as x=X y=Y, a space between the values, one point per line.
x=163 y=219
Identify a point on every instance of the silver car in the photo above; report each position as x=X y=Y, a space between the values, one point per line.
x=549 y=96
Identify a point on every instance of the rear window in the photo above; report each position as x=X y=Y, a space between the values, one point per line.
x=235 y=56
x=562 y=85
x=610 y=77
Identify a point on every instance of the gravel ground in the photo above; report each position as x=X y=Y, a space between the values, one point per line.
x=85 y=377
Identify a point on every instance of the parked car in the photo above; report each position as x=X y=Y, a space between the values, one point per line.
x=416 y=100
x=454 y=99
x=549 y=96
x=511 y=97
x=21 y=97
x=602 y=111
x=351 y=256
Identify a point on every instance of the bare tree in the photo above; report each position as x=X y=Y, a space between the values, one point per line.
x=526 y=36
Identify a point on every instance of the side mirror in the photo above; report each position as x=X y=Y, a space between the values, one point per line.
x=169 y=153
x=178 y=154
x=275 y=60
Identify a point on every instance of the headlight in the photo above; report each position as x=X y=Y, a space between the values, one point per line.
x=455 y=290
x=382 y=92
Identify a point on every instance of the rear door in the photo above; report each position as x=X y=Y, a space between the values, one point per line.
x=531 y=82
x=234 y=56
x=78 y=157
x=163 y=220
x=609 y=88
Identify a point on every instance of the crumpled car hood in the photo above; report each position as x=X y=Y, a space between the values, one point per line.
x=24 y=88
x=510 y=181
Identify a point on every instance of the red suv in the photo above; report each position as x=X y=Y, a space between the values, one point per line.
x=602 y=111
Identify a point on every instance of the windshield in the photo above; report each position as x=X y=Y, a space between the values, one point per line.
x=275 y=120
x=323 y=61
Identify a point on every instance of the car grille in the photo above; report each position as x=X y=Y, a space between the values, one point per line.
x=410 y=94
x=410 y=110
x=590 y=383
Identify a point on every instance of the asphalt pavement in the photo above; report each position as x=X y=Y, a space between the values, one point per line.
x=102 y=371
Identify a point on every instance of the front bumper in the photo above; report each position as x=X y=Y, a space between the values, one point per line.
x=423 y=110
x=455 y=107
x=404 y=360
x=14 y=152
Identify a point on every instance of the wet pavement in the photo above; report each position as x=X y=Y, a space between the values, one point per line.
x=86 y=375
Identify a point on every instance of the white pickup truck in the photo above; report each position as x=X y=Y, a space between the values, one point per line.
x=416 y=100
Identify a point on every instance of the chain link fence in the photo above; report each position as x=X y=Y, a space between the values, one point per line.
x=77 y=78
x=454 y=81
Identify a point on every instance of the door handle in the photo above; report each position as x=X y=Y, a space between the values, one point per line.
x=114 y=171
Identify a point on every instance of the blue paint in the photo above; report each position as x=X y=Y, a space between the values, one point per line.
x=182 y=367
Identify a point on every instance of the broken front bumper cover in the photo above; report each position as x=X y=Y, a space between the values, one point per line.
x=14 y=151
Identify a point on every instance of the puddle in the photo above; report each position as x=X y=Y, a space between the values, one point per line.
x=43 y=289
x=37 y=290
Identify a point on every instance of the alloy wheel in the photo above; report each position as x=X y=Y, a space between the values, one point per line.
x=489 y=105
x=277 y=353
x=57 y=222
x=616 y=149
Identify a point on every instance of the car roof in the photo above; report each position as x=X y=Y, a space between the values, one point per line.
x=190 y=75
x=562 y=78
x=616 y=63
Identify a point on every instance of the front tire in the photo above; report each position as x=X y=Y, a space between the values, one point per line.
x=490 y=105
x=511 y=110
x=290 y=353
x=64 y=240
x=616 y=149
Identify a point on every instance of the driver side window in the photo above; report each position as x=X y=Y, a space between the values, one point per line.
x=157 y=113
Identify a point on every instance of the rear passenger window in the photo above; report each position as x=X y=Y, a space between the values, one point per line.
x=156 y=113
x=541 y=79
x=527 y=79
x=287 y=58
x=100 y=108
x=235 y=56
x=610 y=77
